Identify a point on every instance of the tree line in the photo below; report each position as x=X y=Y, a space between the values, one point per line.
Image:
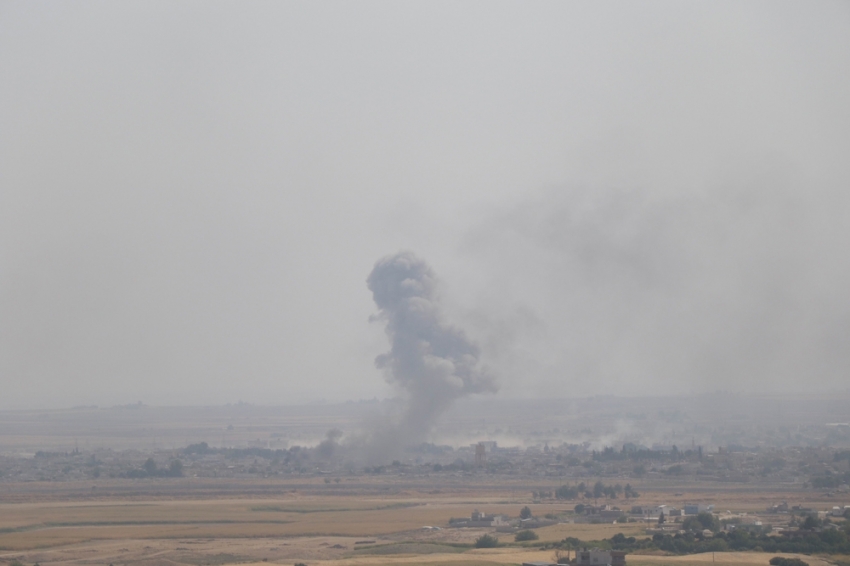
x=596 y=491
x=150 y=470
x=816 y=540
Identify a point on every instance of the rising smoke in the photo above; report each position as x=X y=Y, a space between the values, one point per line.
x=431 y=361
x=638 y=292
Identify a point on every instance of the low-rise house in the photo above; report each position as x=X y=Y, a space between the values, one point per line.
x=479 y=519
x=598 y=557
x=655 y=512
x=779 y=508
x=603 y=512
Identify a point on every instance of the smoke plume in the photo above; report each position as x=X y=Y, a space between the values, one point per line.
x=740 y=288
x=433 y=362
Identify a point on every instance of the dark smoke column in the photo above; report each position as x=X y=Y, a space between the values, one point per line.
x=435 y=363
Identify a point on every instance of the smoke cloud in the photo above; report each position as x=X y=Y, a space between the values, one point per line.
x=739 y=289
x=433 y=362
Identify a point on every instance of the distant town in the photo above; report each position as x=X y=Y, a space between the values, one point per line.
x=570 y=469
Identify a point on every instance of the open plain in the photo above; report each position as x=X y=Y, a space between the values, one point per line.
x=310 y=522
x=94 y=486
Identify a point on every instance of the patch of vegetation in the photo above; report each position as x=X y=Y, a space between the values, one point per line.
x=526 y=535
x=486 y=541
x=5 y=530
x=780 y=561
x=701 y=522
x=826 y=540
x=597 y=490
x=830 y=481
x=569 y=491
x=150 y=470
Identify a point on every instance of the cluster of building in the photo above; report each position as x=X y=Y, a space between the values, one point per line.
x=502 y=523
x=589 y=557
x=612 y=513
x=656 y=511
x=561 y=465
x=783 y=508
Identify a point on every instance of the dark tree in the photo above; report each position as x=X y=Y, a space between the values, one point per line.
x=175 y=470
x=708 y=521
x=526 y=535
x=486 y=541
x=567 y=492
x=598 y=489
x=150 y=467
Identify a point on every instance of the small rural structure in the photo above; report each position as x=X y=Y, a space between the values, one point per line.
x=653 y=512
x=697 y=508
x=479 y=519
x=598 y=557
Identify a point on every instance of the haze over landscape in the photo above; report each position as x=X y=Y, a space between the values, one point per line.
x=613 y=198
x=424 y=283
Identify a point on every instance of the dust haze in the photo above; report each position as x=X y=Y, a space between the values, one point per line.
x=474 y=283
x=742 y=288
x=631 y=199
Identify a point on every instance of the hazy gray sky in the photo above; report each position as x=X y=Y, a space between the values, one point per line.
x=635 y=198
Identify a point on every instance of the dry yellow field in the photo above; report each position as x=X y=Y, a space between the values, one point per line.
x=512 y=556
x=50 y=524
x=82 y=530
x=589 y=532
